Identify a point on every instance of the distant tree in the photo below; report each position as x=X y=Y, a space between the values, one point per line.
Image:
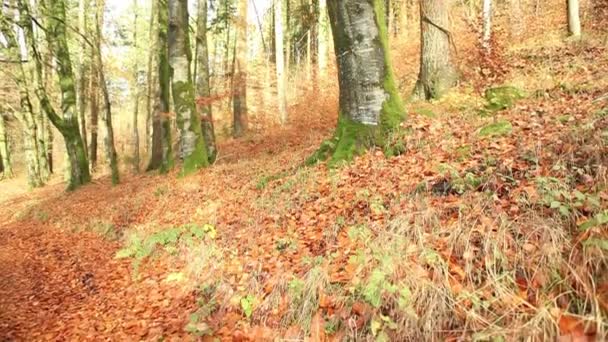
x=107 y=118
x=280 y=62
x=5 y=152
x=136 y=94
x=437 y=73
x=487 y=25
x=192 y=143
x=239 y=96
x=323 y=37
x=370 y=107
x=574 y=20
x=203 y=89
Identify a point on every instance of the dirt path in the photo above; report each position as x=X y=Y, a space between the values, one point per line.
x=58 y=285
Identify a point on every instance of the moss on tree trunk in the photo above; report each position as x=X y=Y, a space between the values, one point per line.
x=370 y=107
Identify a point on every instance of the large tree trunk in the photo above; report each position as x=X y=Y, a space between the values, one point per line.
x=437 y=74
x=162 y=152
x=135 y=122
x=107 y=117
x=280 y=62
x=574 y=20
x=192 y=142
x=151 y=75
x=370 y=106
x=239 y=97
x=203 y=90
x=5 y=151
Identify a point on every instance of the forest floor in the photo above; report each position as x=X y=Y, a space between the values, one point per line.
x=491 y=225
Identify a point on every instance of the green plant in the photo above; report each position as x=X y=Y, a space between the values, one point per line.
x=247 y=305
x=496 y=129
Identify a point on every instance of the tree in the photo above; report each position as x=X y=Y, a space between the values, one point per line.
x=370 y=107
x=323 y=37
x=574 y=20
x=5 y=152
x=67 y=124
x=239 y=97
x=203 y=90
x=135 y=134
x=192 y=142
x=107 y=118
x=162 y=153
x=83 y=69
x=487 y=25
x=280 y=62
x=437 y=74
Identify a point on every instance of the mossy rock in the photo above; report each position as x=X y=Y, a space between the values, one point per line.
x=500 y=98
x=496 y=129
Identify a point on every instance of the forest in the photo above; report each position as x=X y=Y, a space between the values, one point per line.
x=304 y=170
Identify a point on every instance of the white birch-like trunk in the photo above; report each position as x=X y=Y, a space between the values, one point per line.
x=574 y=20
x=487 y=25
x=280 y=62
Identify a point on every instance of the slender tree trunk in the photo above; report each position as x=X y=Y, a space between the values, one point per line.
x=574 y=20
x=151 y=76
x=68 y=123
x=107 y=117
x=94 y=102
x=437 y=73
x=239 y=97
x=5 y=150
x=192 y=142
x=135 y=136
x=370 y=106
x=323 y=38
x=280 y=64
x=203 y=90
x=487 y=25
x=83 y=70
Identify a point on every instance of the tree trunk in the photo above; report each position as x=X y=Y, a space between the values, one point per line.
x=574 y=20
x=370 y=106
x=203 y=90
x=280 y=64
x=323 y=38
x=5 y=151
x=192 y=142
x=437 y=74
x=83 y=70
x=487 y=25
x=94 y=102
x=107 y=117
x=135 y=135
x=239 y=97
x=151 y=75
x=162 y=151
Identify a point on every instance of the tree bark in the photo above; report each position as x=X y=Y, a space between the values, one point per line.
x=107 y=117
x=192 y=142
x=574 y=20
x=5 y=151
x=437 y=73
x=239 y=97
x=68 y=123
x=370 y=107
x=203 y=90
x=487 y=25
x=280 y=62
x=151 y=75
x=135 y=122
x=162 y=151
x=83 y=70
x=94 y=103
